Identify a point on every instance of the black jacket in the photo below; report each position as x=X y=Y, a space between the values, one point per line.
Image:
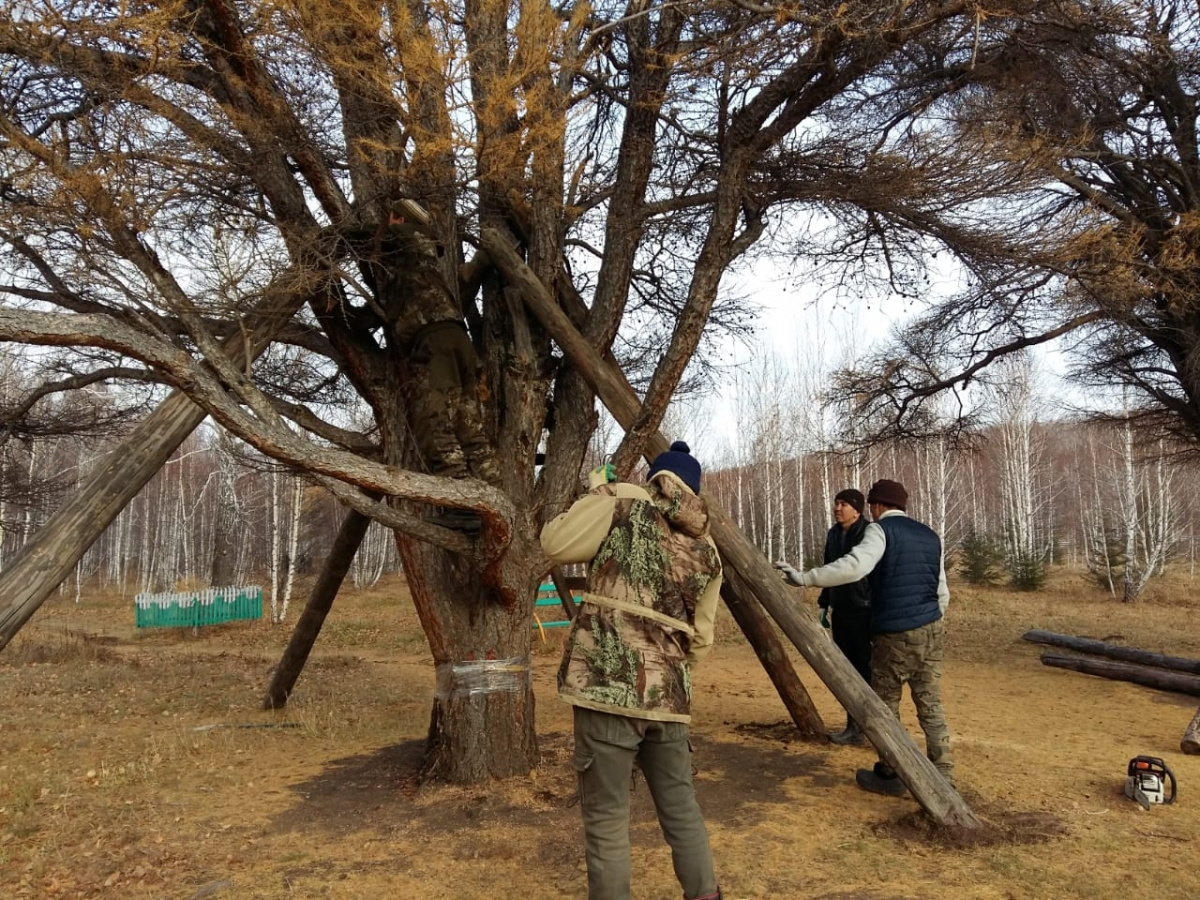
x=857 y=594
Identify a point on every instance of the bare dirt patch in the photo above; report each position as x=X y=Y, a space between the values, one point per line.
x=140 y=765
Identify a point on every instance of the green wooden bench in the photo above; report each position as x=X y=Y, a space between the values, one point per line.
x=548 y=596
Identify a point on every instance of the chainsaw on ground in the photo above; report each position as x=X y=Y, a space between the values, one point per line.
x=1146 y=781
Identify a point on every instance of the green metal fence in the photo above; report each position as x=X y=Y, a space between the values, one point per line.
x=181 y=609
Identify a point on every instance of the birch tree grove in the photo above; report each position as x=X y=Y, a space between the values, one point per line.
x=1026 y=537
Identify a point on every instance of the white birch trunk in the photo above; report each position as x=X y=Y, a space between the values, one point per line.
x=1129 y=516
x=293 y=545
x=276 y=545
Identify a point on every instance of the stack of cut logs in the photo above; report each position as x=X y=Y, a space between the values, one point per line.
x=1166 y=673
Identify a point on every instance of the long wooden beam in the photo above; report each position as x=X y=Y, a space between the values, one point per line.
x=933 y=791
x=1147 y=676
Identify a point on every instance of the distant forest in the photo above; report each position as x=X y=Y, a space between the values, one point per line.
x=1019 y=497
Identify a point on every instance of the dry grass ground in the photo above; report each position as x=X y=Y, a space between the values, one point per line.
x=139 y=765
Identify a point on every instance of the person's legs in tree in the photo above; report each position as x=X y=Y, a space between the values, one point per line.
x=605 y=748
x=466 y=412
x=434 y=397
x=665 y=759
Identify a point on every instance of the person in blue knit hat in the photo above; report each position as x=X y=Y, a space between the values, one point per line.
x=680 y=462
x=646 y=620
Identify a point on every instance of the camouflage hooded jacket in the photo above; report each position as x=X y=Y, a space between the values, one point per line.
x=652 y=587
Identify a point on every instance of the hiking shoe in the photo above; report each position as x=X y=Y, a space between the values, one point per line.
x=888 y=785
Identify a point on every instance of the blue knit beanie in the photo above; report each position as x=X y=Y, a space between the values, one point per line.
x=680 y=462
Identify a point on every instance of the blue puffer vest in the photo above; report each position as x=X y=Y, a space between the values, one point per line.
x=904 y=582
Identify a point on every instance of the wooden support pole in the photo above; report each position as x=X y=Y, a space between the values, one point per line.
x=1190 y=743
x=46 y=560
x=564 y=592
x=770 y=650
x=320 y=601
x=754 y=573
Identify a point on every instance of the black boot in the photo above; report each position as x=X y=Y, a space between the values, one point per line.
x=881 y=780
x=851 y=735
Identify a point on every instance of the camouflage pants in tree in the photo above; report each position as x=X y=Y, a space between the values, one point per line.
x=447 y=416
x=915 y=658
x=606 y=747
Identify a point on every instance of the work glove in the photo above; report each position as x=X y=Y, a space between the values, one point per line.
x=790 y=575
x=602 y=475
x=824 y=616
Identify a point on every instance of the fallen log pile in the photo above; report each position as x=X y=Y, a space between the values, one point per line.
x=1114 y=651
x=1147 y=676
x=1156 y=670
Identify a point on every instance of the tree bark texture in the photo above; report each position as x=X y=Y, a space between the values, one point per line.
x=1147 y=676
x=1113 y=651
x=753 y=572
x=320 y=601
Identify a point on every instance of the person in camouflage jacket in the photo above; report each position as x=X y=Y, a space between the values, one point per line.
x=646 y=618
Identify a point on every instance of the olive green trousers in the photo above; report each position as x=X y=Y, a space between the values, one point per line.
x=606 y=748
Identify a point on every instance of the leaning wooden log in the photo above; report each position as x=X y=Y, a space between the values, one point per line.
x=755 y=573
x=350 y=535
x=1113 y=651
x=1147 y=676
x=1190 y=744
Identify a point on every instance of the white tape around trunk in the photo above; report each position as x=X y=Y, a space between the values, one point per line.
x=482 y=676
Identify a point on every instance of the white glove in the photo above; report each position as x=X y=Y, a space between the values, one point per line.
x=790 y=575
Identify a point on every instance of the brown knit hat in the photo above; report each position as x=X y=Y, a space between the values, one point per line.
x=889 y=493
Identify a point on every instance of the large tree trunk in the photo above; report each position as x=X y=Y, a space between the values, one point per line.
x=320 y=601
x=48 y=558
x=930 y=788
x=1147 y=676
x=1127 y=654
x=482 y=724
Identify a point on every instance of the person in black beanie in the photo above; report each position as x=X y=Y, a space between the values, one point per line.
x=849 y=603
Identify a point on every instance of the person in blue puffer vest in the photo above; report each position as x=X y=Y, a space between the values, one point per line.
x=903 y=561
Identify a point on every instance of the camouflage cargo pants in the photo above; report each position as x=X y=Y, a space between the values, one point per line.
x=447 y=415
x=915 y=658
x=606 y=747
